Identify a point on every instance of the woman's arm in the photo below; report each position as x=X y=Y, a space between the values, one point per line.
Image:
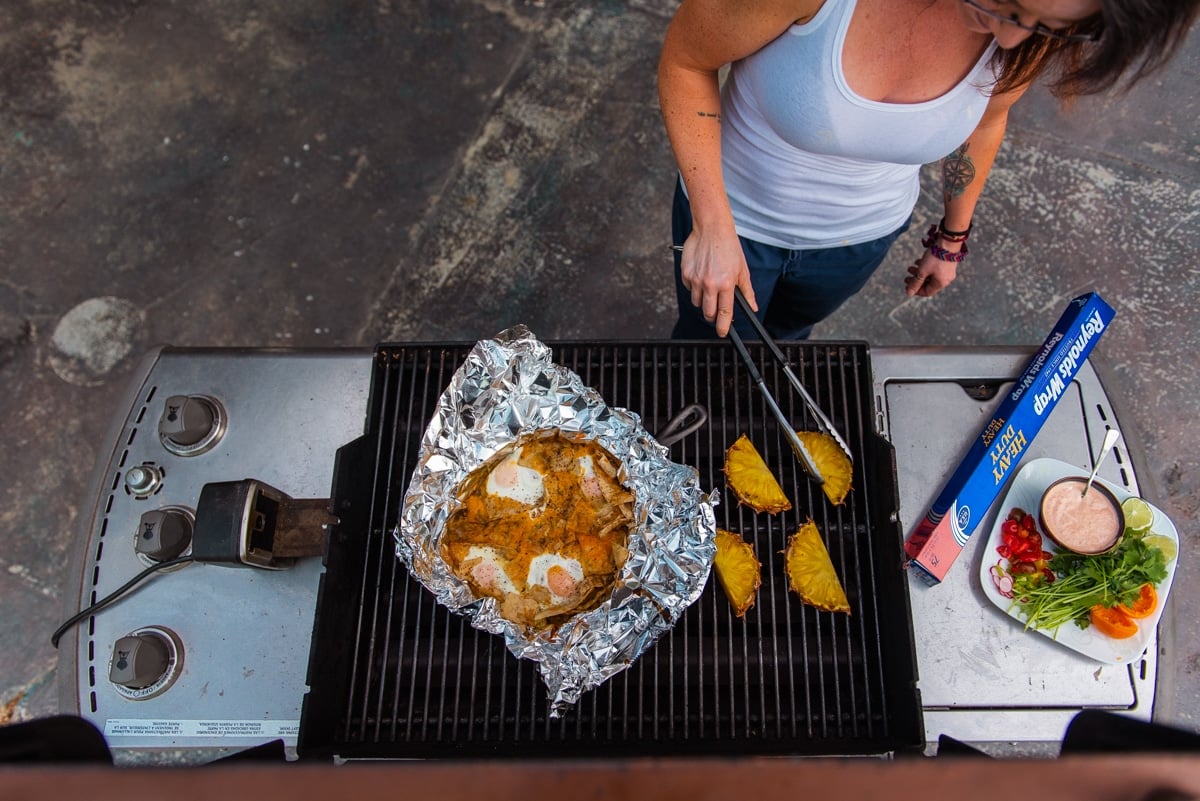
x=964 y=173
x=704 y=36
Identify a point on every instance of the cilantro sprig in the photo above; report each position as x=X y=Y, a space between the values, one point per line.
x=1086 y=581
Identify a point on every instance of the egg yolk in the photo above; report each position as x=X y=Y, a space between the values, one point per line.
x=560 y=582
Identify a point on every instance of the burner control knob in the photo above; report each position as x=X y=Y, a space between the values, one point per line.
x=139 y=660
x=163 y=534
x=190 y=424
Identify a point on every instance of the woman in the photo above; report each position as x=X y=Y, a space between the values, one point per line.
x=801 y=171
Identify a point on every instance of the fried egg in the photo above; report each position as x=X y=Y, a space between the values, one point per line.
x=588 y=479
x=514 y=481
x=489 y=573
x=557 y=574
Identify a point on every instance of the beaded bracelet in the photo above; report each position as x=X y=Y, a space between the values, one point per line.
x=930 y=242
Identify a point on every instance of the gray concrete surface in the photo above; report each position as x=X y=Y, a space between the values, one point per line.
x=312 y=173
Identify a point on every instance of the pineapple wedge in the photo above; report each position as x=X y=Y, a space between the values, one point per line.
x=751 y=480
x=738 y=570
x=810 y=572
x=833 y=463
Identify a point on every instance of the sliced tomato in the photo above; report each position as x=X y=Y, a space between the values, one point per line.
x=1113 y=622
x=1144 y=606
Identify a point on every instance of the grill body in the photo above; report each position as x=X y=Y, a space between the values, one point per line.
x=393 y=674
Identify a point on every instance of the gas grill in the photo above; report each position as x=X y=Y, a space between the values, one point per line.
x=349 y=658
x=394 y=674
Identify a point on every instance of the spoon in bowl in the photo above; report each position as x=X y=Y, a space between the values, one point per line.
x=1110 y=439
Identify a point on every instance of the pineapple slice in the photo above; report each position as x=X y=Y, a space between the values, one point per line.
x=738 y=570
x=751 y=480
x=811 y=574
x=833 y=463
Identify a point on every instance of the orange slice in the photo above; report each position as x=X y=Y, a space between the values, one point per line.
x=1113 y=622
x=1144 y=605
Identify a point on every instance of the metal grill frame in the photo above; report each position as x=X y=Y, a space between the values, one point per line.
x=393 y=674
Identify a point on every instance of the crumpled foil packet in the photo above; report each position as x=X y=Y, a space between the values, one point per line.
x=509 y=387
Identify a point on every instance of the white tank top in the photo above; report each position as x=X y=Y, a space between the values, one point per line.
x=810 y=164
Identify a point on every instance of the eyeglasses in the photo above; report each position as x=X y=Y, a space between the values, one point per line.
x=1039 y=28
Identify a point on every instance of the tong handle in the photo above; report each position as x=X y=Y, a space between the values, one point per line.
x=823 y=422
x=806 y=460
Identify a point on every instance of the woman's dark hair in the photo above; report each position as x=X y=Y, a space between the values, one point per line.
x=1137 y=38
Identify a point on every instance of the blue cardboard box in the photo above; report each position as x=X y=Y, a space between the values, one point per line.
x=938 y=539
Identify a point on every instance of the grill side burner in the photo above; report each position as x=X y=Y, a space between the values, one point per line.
x=394 y=674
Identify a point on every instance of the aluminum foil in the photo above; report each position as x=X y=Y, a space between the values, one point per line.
x=508 y=387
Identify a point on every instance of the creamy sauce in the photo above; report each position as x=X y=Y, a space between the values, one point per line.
x=1082 y=523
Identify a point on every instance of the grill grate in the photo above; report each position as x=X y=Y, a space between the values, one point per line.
x=394 y=674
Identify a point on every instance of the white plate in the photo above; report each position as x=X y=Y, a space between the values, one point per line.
x=1026 y=492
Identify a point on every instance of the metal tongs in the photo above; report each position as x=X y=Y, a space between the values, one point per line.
x=823 y=422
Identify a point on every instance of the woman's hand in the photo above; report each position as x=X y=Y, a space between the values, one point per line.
x=711 y=266
x=929 y=276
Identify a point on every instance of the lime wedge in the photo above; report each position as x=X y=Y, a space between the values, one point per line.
x=1138 y=514
x=1163 y=543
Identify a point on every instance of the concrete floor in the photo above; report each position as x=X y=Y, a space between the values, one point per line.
x=309 y=173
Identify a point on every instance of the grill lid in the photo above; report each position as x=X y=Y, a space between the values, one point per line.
x=395 y=674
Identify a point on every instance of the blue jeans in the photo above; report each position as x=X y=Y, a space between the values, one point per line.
x=795 y=289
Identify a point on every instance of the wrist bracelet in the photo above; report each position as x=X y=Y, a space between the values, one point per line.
x=946 y=255
x=954 y=236
x=930 y=243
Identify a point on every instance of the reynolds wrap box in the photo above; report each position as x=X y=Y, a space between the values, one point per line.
x=963 y=503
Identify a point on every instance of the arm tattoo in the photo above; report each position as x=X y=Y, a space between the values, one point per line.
x=958 y=171
x=716 y=117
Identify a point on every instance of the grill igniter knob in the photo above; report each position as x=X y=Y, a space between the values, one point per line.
x=143 y=480
x=190 y=424
x=163 y=534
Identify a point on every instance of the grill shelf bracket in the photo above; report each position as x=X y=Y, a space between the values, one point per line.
x=393 y=674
